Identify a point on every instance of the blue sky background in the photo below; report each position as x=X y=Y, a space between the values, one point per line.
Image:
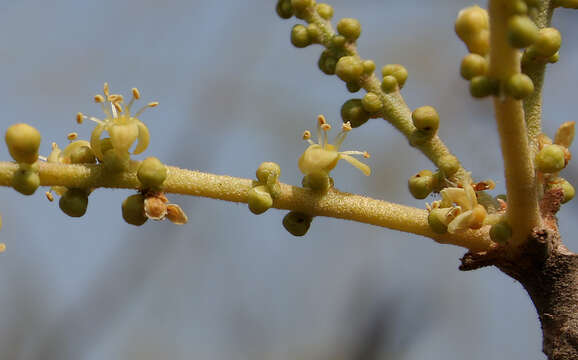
x=233 y=92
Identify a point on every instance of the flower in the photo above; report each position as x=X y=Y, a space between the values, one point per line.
x=122 y=127
x=323 y=156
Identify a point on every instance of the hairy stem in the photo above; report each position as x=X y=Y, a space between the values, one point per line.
x=187 y=182
x=523 y=211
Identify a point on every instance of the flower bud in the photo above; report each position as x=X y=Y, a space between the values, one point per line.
x=74 y=202
x=297 y=223
x=479 y=43
x=522 y=32
x=284 y=9
x=25 y=180
x=399 y=72
x=551 y=159
x=133 y=210
x=421 y=184
x=567 y=189
x=82 y=155
x=548 y=42
x=371 y=102
x=325 y=11
x=23 y=142
x=299 y=36
x=327 y=63
x=259 y=200
x=353 y=111
x=389 y=84
x=151 y=173
x=268 y=172
x=350 y=28
x=500 y=232
x=349 y=68
x=470 y=21
x=473 y=65
x=482 y=86
x=368 y=66
x=426 y=119
x=519 y=86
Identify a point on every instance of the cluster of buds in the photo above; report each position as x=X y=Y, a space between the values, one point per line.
x=541 y=45
x=552 y=157
x=265 y=189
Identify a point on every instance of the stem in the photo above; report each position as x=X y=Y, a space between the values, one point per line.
x=187 y=182
x=523 y=212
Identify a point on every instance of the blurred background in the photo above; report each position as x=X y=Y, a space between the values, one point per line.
x=233 y=93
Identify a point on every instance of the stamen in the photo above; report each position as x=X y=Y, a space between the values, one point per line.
x=346 y=127
x=49 y=196
x=325 y=127
x=98 y=98
x=321 y=120
x=72 y=136
x=135 y=93
x=42 y=158
x=118 y=107
x=366 y=155
x=105 y=89
x=2 y=247
x=80 y=117
x=306 y=135
x=114 y=114
x=149 y=105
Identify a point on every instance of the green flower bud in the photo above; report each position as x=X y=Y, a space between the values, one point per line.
x=327 y=63
x=500 y=232
x=349 y=68
x=471 y=21
x=567 y=189
x=284 y=9
x=325 y=11
x=151 y=173
x=548 y=42
x=350 y=28
x=438 y=220
x=371 y=102
x=114 y=161
x=268 y=172
x=300 y=36
x=519 y=86
x=297 y=223
x=473 y=65
x=421 y=184
x=317 y=181
x=353 y=86
x=426 y=119
x=449 y=165
x=550 y=159
x=259 y=199
x=479 y=43
x=399 y=72
x=133 y=210
x=522 y=32
x=482 y=86
x=314 y=33
x=338 y=41
x=23 y=142
x=82 y=155
x=368 y=66
x=353 y=111
x=25 y=180
x=74 y=202
x=389 y=84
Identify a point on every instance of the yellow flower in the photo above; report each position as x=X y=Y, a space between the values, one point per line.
x=323 y=156
x=124 y=129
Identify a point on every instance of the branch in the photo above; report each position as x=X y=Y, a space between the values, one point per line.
x=187 y=182
x=523 y=213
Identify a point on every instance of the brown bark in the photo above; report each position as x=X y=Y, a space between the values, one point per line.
x=549 y=273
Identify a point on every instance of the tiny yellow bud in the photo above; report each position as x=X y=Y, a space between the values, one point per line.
x=399 y=72
x=551 y=159
x=25 y=181
x=349 y=68
x=74 y=202
x=350 y=28
x=268 y=173
x=23 y=142
x=151 y=173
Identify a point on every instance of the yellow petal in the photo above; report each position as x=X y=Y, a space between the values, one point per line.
x=73 y=146
x=95 y=140
x=143 y=138
x=358 y=164
x=123 y=136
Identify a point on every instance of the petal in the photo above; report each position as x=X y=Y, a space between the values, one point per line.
x=358 y=164
x=123 y=136
x=143 y=138
x=461 y=222
x=95 y=140
x=176 y=215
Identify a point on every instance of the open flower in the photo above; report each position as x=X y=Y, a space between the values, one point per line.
x=124 y=129
x=323 y=156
